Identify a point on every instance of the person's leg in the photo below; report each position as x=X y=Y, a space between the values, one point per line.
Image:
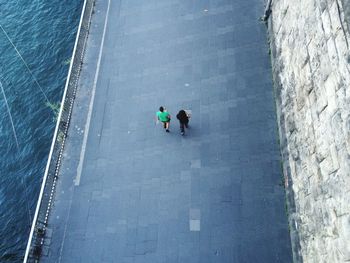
x=167 y=126
x=164 y=125
x=182 y=128
x=186 y=124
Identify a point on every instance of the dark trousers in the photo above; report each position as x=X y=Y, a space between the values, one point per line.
x=183 y=125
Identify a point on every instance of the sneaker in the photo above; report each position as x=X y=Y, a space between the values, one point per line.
x=182 y=133
x=167 y=130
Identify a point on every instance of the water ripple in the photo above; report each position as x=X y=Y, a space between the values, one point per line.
x=44 y=33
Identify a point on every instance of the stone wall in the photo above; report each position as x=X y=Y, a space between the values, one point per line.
x=310 y=57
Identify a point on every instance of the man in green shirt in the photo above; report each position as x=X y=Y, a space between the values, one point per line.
x=164 y=117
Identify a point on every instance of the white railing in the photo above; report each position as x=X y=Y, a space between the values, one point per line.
x=38 y=229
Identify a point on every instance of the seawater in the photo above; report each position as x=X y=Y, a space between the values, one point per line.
x=44 y=33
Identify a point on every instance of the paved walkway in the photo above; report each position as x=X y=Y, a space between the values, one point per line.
x=134 y=193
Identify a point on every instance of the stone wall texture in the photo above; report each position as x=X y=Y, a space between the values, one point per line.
x=310 y=56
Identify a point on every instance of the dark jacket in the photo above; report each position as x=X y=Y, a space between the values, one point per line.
x=182 y=116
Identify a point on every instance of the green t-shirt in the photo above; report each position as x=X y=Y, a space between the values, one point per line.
x=163 y=116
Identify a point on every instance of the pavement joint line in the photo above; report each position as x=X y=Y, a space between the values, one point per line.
x=88 y=120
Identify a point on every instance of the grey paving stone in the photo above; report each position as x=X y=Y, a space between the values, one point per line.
x=213 y=195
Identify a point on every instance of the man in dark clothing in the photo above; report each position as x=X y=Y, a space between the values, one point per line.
x=183 y=118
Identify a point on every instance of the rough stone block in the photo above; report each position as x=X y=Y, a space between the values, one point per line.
x=334 y=15
x=332 y=53
x=322 y=5
x=314 y=56
x=326 y=23
x=335 y=158
x=290 y=123
x=306 y=78
x=330 y=87
x=322 y=102
x=338 y=129
x=341 y=46
x=315 y=110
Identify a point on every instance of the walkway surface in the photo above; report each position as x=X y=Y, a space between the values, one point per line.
x=129 y=192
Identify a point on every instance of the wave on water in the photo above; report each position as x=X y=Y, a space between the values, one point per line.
x=44 y=34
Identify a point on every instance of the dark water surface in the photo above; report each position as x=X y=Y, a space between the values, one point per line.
x=44 y=33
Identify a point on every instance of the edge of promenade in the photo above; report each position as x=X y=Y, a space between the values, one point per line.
x=38 y=229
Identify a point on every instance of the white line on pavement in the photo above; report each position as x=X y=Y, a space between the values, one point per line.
x=88 y=120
